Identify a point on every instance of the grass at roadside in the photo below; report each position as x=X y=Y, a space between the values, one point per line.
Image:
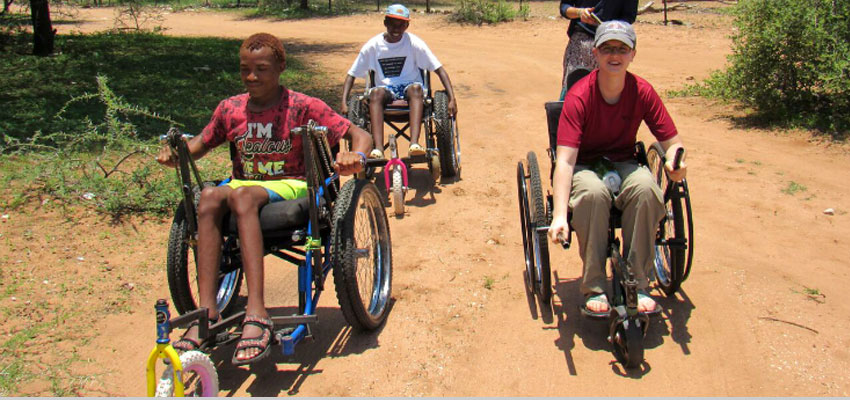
x=111 y=77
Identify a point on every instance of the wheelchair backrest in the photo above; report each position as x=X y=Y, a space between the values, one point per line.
x=553 y=110
x=553 y=116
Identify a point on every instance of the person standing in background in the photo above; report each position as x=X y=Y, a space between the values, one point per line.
x=585 y=16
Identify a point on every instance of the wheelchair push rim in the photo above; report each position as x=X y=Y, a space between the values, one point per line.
x=674 y=243
x=524 y=222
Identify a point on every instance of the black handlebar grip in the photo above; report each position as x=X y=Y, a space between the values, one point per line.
x=677 y=159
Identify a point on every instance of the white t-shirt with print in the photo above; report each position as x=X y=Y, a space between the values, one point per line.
x=394 y=63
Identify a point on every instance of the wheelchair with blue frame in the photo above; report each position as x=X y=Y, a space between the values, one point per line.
x=338 y=229
x=442 y=141
x=673 y=242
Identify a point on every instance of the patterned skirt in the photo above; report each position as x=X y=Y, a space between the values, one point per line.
x=578 y=54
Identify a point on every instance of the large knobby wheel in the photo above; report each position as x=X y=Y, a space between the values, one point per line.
x=361 y=255
x=524 y=223
x=182 y=269
x=448 y=139
x=539 y=243
x=200 y=378
x=673 y=242
x=357 y=113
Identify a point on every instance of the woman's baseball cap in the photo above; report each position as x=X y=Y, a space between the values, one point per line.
x=615 y=30
x=398 y=11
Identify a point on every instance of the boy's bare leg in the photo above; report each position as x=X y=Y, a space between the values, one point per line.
x=211 y=210
x=377 y=97
x=245 y=202
x=416 y=102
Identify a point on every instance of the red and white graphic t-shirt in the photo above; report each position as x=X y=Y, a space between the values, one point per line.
x=265 y=148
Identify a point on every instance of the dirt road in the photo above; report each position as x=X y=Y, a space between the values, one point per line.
x=760 y=315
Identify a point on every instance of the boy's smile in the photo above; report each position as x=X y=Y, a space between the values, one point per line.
x=395 y=29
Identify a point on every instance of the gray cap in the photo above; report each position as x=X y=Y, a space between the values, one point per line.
x=615 y=30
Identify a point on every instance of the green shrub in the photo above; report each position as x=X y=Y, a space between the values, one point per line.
x=790 y=63
x=481 y=11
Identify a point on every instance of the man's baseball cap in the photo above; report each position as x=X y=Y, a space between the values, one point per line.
x=398 y=11
x=615 y=30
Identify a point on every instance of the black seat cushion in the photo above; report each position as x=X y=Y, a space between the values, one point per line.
x=284 y=215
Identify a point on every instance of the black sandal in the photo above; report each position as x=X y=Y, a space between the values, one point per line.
x=262 y=342
x=188 y=344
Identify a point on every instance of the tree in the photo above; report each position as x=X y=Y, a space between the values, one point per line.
x=42 y=29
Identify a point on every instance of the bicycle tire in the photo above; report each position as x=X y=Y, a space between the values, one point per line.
x=627 y=341
x=540 y=244
x=524 y=221
x=358 y=209
x=669 y=260
x=397 y=190
x=195 y=365
x=448 y=139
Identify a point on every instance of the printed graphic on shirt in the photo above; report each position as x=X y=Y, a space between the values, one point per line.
x=258 y=140
x=391 y=67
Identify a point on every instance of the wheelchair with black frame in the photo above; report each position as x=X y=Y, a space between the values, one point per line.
x=339 y=229
x=442 y=141
x=673 y=242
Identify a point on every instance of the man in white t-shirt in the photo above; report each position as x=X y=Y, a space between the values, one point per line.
x=396 y=57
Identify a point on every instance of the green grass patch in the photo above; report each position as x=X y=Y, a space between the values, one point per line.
x=81 y=127
x=487 y=11
x=489 y=282
x=794 y=188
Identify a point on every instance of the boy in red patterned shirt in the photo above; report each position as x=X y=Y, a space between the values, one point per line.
x=268 y=168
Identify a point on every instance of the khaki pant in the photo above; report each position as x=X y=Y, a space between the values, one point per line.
x=641 y=202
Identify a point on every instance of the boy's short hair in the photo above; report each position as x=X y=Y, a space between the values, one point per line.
x=259 y=40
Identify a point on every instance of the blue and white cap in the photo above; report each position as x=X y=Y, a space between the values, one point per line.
x=398 y=11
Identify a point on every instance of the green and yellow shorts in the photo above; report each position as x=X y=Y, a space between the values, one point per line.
x=283 y=189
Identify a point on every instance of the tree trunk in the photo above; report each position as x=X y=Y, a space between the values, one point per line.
x=42 y=28
x=305 y=5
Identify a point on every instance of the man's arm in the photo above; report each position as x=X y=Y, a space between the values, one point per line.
x=670 y=146
x=346 y=90
x=563 y=181
x=197 y=149
x=447 y=84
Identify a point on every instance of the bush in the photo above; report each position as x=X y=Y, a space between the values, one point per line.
x=481 y=11
x=791 y=63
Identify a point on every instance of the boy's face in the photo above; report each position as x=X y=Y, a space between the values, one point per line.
x=395 y=29
x=260 y=71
